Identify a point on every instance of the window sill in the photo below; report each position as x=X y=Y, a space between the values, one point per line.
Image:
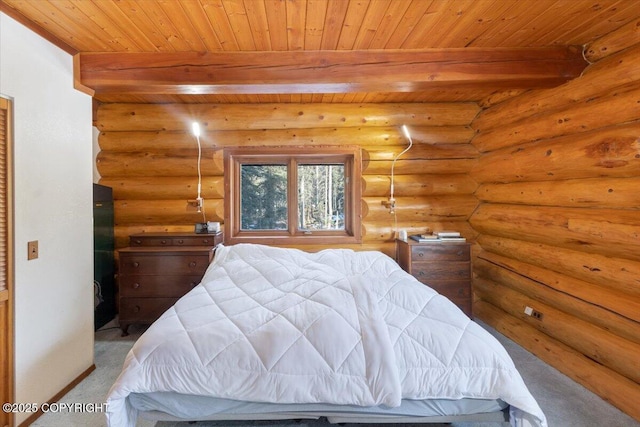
x=297 y=240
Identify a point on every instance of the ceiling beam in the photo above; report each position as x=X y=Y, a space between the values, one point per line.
x=326 y=71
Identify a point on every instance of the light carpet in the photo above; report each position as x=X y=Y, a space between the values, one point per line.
x=565 y=403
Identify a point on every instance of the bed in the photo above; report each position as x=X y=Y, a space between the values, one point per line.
x=273 y=333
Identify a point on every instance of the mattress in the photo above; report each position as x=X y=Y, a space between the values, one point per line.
x=173 y=406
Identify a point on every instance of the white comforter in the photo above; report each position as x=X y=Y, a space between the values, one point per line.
x=285 y=326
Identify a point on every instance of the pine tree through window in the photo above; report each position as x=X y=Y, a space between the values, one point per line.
x=321 y=197
x=263 y=197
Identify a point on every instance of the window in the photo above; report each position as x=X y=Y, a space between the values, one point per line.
x=284 y=195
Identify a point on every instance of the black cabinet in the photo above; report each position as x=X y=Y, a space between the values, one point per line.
x=103 y=262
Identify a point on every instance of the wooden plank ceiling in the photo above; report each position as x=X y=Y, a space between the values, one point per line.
x=337 y=51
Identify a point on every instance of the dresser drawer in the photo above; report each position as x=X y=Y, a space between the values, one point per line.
x=175 y=239
x=455 y=270
x=156 y=286
x=144 y=309
x=205 y=240
x=160 y=264
x=440 y=252
x=159 y=268
x=151 y=241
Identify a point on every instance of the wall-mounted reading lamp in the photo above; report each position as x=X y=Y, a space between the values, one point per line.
x=199 y=202
x=391 y=203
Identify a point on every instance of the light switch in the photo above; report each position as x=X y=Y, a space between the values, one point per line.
x=32 y=248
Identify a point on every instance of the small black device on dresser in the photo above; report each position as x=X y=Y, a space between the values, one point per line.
x=159 y=268
x=443 y=266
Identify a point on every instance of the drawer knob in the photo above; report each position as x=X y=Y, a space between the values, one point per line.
x=138 y=242
x=420 y=254
x=420 y=273
x=163 y=242
x=136 y=309
x=136 y=264
x=136 y=285
x=192 y=264
x=180 y=241
x=205 y=241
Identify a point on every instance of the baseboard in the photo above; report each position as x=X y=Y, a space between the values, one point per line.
x=59 y=395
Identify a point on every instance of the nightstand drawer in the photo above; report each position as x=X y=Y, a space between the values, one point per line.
x=463 y=304
x=426 y=271
x=445 y=267
x=144 y=309
x=157 y=286
x=440 y=252
x=451 y=289
x=160 y=264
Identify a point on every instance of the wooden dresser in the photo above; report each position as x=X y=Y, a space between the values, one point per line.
x=443 y=266
x=157 y=269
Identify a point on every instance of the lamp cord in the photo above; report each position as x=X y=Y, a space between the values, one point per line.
x=395 y=235
x=391 y=199
x=393 y=164
x=204 y=218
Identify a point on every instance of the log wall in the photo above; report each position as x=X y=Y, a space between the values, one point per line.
x=546 y=183
x=149 y=158
x=559 y=221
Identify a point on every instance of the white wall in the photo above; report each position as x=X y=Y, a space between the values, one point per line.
x=53 y=204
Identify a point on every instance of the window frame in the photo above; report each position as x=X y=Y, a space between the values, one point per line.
x=351 y=157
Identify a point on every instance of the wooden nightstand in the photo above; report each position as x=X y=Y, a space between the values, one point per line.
x=443 y=266
x=157 y=269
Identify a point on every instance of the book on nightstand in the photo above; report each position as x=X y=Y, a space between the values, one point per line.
x=439 y=237
x=425 y=238
x=452 y=239
x=442 y=234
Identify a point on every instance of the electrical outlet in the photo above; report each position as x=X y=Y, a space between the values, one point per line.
x=533 y=313
x=32 y=250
